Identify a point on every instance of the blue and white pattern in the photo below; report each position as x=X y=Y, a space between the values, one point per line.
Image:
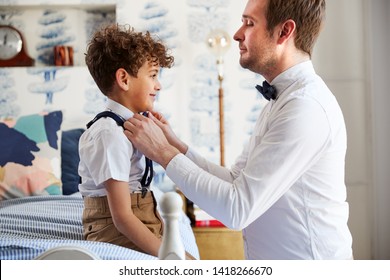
x=31 y=225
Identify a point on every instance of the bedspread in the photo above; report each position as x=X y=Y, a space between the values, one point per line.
x=31 y=225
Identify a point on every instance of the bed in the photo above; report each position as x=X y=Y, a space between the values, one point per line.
x=33 y=224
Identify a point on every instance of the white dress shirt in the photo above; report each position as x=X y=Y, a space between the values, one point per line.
x=105 y=152
x=286 y=190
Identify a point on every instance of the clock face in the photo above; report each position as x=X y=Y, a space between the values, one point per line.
x=10 y=42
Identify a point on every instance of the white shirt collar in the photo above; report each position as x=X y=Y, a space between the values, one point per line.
x=119 y=109
x=289 y=76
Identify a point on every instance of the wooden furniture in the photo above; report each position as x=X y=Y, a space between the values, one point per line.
x=219 y=243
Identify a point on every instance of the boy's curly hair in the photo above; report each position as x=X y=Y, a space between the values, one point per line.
x=119 y=46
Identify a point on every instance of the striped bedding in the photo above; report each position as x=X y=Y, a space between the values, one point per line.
x=31 y=225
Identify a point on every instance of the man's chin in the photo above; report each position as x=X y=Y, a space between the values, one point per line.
x=244 y=64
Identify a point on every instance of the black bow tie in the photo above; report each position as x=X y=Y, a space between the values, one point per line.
x=268 y=91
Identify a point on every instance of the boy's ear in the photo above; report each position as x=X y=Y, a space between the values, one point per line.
x=122 y=78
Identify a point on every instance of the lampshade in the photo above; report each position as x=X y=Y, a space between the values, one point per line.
x=218 y=41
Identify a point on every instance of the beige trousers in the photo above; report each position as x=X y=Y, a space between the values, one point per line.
x=98 y=224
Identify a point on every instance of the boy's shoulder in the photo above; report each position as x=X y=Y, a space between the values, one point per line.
x=105 y=126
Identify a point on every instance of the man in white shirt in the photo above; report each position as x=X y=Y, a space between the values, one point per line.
x=286 y=190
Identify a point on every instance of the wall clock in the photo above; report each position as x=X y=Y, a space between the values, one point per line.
x=13 y=50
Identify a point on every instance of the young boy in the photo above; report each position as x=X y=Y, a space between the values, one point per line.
x=118 y=207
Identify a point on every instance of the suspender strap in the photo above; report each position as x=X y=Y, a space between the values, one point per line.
x=148 y=174
x=119 y=120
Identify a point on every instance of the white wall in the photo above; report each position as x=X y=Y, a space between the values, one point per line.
x=379 y=41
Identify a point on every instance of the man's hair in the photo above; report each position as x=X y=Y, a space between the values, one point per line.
x=120 y=46
x=308 y=16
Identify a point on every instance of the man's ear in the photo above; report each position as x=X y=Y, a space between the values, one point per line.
x=122 y=79
x=286 y=31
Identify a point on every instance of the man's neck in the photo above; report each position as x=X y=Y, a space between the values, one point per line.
x=286 y=62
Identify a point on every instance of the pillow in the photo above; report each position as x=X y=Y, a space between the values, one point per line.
x=30 y=162
x=70 y=160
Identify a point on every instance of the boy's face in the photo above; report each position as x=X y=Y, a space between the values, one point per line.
x=143 y=88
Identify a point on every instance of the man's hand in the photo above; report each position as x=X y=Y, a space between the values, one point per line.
x=162 y=123
x=149 y=138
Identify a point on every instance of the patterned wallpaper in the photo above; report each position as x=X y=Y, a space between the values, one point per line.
x=189 y=95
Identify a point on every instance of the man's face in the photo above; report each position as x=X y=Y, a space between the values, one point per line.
x=257 y=47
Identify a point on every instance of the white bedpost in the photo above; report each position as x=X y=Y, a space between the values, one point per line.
x=172 y=247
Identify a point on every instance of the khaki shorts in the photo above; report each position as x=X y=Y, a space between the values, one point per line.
x=98 y=224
